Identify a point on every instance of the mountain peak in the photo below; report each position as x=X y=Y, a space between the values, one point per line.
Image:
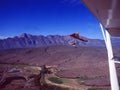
x=25 y=35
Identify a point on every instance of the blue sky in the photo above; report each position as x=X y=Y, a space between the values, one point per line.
x=46 y=17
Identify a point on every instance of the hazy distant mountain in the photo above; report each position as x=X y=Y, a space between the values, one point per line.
x=27 y=40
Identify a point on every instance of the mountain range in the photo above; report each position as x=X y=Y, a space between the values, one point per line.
x=27 y=40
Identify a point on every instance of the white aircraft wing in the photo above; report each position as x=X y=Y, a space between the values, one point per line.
x=107 y=12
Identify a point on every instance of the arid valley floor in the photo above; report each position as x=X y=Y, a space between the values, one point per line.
x=81 y=68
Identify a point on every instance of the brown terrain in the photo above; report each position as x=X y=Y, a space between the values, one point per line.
x=81 y=68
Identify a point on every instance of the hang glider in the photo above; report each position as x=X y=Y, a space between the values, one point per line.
x=76 y=36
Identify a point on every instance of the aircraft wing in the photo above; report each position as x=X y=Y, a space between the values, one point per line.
x=107 y=12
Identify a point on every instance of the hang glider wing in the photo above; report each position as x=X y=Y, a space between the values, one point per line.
x=76 y=36
x=107 y=12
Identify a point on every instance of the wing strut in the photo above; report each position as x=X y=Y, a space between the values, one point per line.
x=111 y=61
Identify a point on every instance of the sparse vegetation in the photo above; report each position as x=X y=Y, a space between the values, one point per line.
x=57 y=80
x=81 y=80
x=84 y=78
x=96 y=88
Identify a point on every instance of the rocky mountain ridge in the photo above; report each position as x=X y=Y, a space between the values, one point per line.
x=27 y=40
